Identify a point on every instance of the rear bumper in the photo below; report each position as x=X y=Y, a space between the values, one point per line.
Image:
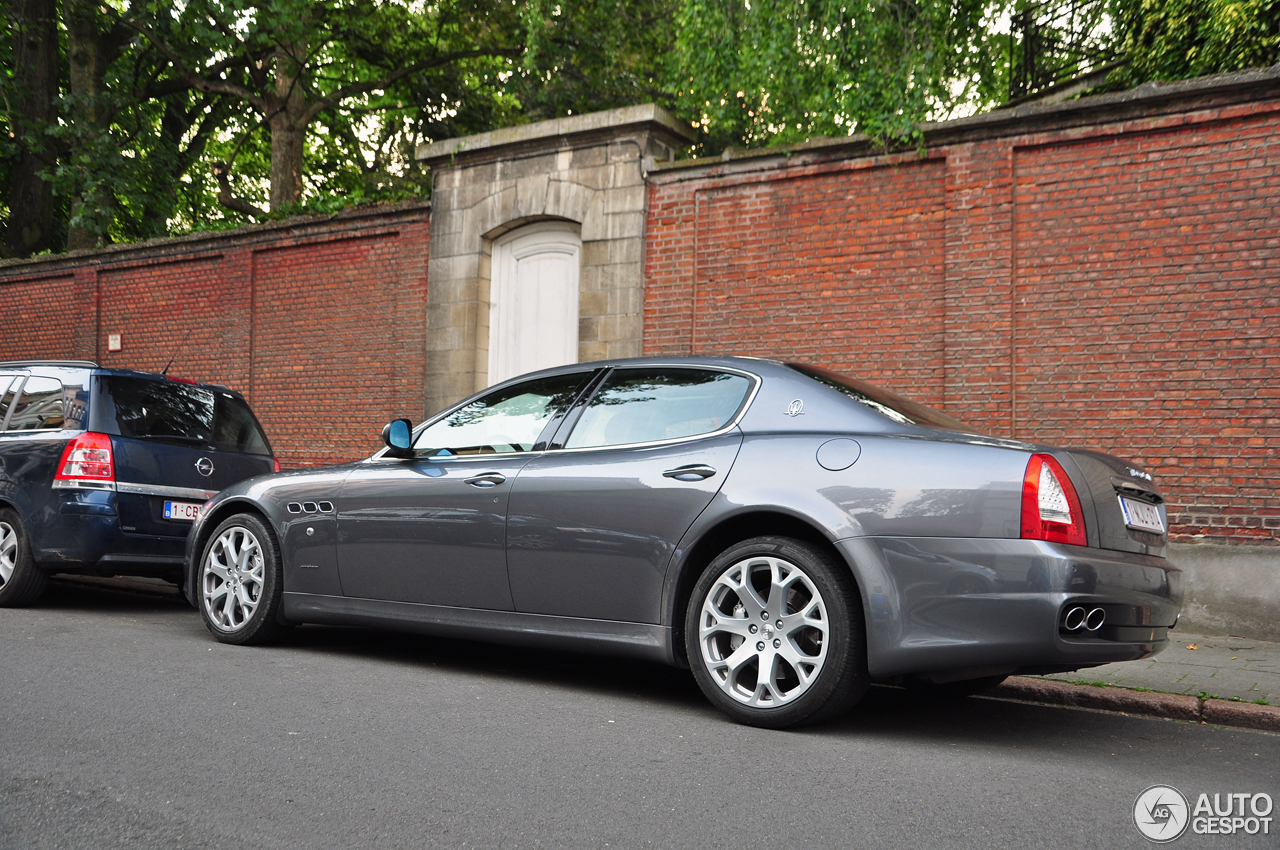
x=85 y=536
x=948 y=605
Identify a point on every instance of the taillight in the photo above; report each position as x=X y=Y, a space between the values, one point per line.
x=1050 y=508
x=275 y=464
x=86 y=461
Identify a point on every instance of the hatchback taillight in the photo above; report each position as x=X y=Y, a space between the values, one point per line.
x=86 y=461
x=1050 y=508
x=275 y=464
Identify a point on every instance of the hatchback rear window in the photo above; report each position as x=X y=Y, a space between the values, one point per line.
x=170 y=411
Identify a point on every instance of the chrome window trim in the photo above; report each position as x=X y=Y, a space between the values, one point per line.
x=84 y=485
x=164 y=490
x=756 y=383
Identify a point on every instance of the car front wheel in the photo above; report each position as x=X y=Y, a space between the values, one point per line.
x=21 y=581
x=241 y=583
x=774 y=634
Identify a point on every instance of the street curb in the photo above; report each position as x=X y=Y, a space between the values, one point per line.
x=1218 y=712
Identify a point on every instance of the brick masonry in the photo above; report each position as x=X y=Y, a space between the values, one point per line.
x=320 y=323
x=1104 y=273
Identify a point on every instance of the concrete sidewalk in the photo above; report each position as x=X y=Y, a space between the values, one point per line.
x=1222 y=681
x=1229 y=668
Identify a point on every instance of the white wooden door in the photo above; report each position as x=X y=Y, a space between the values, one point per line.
x=533 y=309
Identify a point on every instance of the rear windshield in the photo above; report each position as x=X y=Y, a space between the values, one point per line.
x=169 y=411
x=882 y=401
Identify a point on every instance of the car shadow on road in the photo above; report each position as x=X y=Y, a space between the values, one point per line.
x=85 y=594
x=600 y=675
x=886 y=713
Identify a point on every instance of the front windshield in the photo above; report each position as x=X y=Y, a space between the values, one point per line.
x=887 y=404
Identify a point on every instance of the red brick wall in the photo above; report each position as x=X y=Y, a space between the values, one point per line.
x=321 y=324
x=1110 y=283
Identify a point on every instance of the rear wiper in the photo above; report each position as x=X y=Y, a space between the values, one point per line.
x=179 y=438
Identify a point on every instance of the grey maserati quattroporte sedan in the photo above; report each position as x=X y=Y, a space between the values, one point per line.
x=788 y=533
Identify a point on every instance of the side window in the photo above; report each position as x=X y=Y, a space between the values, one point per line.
x=40 y=406
x=508 y=420
x=235 y=428
x=8 y=383
x=649 y=405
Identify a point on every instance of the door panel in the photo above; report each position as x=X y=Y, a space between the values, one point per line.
x=590 y=533
x=417 y=530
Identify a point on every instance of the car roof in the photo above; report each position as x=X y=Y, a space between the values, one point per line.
x=103 y=370
x=757 y=365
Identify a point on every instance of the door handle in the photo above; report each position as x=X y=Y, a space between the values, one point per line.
x=692 y=472
x=486 y=479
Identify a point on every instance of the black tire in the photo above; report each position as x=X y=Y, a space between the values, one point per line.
x=825 y=640
x=240 y=582
x=953 y=690
x=21 y=581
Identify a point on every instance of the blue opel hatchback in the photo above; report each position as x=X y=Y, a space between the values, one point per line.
x=102 y=471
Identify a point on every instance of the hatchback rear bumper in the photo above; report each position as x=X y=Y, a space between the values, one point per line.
x=85 y=536
x=985 y=606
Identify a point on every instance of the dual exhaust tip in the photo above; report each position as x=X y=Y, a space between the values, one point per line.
x=1078 y=618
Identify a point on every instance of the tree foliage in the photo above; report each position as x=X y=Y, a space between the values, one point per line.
x=590 y=55
x=779 y=71
x=1179 y=39
x=126 y=119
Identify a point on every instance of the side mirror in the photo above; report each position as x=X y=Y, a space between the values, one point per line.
x=398 y=435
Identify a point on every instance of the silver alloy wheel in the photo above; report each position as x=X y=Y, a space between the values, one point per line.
x=8 y=552
x=764 y=632
x=232 y=578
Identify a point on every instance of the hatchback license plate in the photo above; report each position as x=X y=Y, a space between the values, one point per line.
x=1141 y=516
x=182 y=511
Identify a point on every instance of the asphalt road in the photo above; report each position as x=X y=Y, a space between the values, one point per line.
x=123 y=724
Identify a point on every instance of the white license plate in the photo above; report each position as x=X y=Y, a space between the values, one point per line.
x=1141 y=515
x=182 y=511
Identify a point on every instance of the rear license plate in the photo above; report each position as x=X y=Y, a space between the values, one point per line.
x=1141 y=516
x=182 y=511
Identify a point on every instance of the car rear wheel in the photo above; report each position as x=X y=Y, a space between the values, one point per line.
x=240 y=582
x=21 y=581
x=774 y=634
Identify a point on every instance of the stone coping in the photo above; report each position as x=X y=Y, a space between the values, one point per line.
x=610 y=120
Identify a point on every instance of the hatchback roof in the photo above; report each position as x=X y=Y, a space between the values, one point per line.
x=88 y=364
x=106 y=370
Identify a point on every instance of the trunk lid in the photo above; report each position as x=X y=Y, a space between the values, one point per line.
x=1120 y=501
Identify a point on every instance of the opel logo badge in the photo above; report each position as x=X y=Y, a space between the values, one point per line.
x=204 y=466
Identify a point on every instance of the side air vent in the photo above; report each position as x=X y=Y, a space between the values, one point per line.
x=309 y=507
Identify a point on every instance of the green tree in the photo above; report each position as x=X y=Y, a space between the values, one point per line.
x=779 y=71
x=306 y=58
x=1179 y=39
x=29 y=86
x=589 y=55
